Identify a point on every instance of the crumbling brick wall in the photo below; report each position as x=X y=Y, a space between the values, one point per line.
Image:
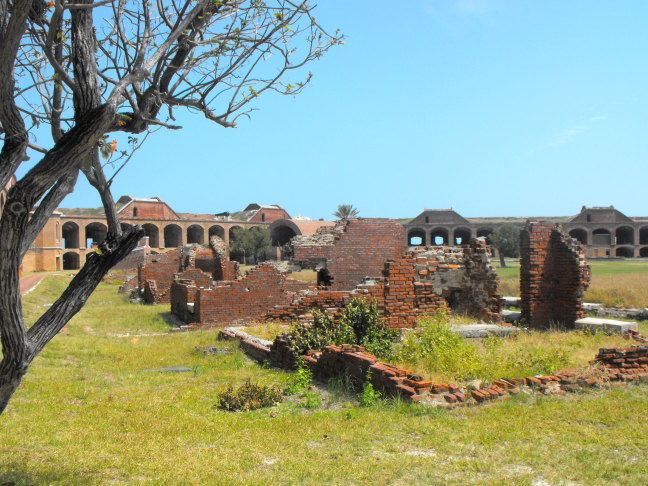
x=553 y=276
x=419 y=283
x=248 y=298
x=192 y=262
x=183 y=292
x=158 y=269
x=351 y=250
x=425 y=281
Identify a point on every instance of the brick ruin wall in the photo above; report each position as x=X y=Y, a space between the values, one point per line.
x=553 y=276
x=158 y=270
x=228 y=301
x=351 y=250
x=193 y=262
x=421 y=282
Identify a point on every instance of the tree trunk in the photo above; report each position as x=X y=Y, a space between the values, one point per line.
x=20 y=347
x=502 y=261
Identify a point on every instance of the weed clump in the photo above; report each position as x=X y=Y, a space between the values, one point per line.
x=440 y=349
x=435 y=348
x=369 y=396
x=300 y=380
x=249 y=396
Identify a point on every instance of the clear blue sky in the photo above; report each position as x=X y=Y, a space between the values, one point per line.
x=493 y=107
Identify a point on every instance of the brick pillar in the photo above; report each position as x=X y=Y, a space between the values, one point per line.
x=553 y=276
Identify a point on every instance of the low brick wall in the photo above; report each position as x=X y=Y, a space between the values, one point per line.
x=254 y=350
x=248 y=298
x=620 y=365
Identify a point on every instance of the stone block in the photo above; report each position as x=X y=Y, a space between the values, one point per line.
x=511 y=316
x=608 y=326
x=478 y=331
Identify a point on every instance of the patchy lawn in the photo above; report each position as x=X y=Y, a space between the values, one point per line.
x=97 y=407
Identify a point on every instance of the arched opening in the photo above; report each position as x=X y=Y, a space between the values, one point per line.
x=625 y=236
x=439 y=236
x=71 y=261
x=485 y=233
x=216 y=231
x=235 y=233
x=461 y=236
x=281 y=235
x=172 y=236
x=643 y=253
x=601 y=236
x=416 y=237
x=624 y=251
x=135 y=212
x=643 y=236
x=95 y=233
x=580 y=235
x=232 y=230
x=70 y=235
x=195 y=234
x=153 y=234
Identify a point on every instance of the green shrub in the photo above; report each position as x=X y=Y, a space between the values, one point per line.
x=249 y=396
x=324 y=331
x=359 y=324
x=361 y=317
x=369 y=330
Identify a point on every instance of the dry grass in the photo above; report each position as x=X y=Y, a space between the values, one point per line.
x=266 y=330
x=304 y=275
x=613 y=283
x=629 y=290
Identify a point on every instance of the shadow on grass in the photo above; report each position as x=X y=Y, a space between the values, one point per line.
x=171 y=319
x=15 y=475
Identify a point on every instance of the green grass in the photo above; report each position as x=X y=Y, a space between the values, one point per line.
x=95 y=409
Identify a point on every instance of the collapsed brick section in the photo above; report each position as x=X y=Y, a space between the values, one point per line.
x=351 y=250
x=192 y=262
x=625 y=364
x=221 y=303
x=553 y=276
x=421 y=282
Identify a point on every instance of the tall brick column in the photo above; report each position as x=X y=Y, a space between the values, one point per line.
x=553 y=276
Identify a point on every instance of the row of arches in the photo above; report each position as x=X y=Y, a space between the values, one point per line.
x=623 y=235
x=441 y=236
x=629 y=252
x=171 y=236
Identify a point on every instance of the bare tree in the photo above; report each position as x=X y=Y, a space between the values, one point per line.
x=84 y=69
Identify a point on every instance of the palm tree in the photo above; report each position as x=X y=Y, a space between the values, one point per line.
x=346 y=211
